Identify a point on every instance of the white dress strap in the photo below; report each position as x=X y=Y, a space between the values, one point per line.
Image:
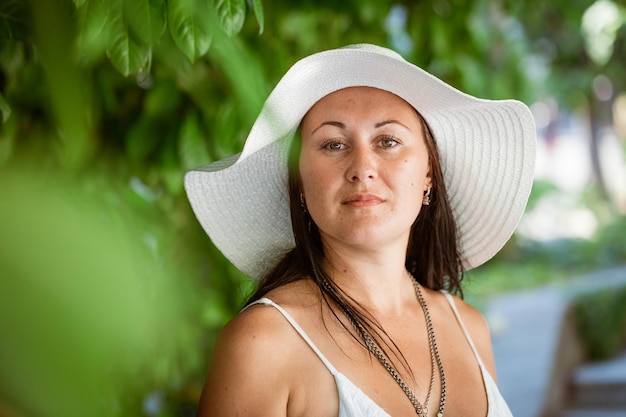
x=465 y=332
x=296 y=326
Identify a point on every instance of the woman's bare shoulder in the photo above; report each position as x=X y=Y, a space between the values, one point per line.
x=261 y=323
x=478 y=328
x=258 y=332
x=251 y=366
x=255 y=362
x=472 y=318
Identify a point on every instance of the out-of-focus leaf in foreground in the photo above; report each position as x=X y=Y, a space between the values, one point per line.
x=84 y=311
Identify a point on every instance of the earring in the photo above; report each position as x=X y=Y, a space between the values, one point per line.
x=426 y=198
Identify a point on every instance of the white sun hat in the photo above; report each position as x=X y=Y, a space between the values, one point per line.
x=486 y=147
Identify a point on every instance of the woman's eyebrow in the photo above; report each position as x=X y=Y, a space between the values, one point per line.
x=386 y=122
x=343 y=126
x=330 y=123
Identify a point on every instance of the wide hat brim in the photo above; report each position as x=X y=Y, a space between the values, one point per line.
x=487 y=153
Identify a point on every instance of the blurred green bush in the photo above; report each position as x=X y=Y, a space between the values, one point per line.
x=601 y=322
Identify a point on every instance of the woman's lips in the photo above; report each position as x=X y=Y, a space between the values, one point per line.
x=362 y=200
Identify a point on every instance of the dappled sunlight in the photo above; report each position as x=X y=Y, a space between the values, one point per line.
x=600 y=24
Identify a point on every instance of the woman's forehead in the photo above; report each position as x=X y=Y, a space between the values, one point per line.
x=359 y=100
x=359 y=93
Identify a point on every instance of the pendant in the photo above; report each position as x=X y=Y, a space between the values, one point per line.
x=440 y=414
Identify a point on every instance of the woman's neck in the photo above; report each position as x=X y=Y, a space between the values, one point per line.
x=376 y=279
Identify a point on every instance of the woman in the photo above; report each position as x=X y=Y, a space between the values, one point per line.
x=395 y=183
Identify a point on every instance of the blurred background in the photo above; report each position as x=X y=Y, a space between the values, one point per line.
x=111 y=295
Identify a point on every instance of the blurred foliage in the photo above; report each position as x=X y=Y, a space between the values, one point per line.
x=540 y=190
x=525 y=263
x=105 y=276
x=89 y=313
x=558 y=44
x=607 y=248
x=601 y=322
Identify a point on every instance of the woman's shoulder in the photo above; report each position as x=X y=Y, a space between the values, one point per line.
x=478 y=329
x=470 y=315
x=472 y=318
x=249 y=339
x=260 y=325
x=256 y=353
x=255 y=330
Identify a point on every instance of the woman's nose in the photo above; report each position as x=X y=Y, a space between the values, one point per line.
x=362 y=165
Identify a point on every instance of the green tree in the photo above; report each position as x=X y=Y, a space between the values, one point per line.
x=580 y=42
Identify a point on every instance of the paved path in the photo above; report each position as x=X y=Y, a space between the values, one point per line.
x=611 y=371
x=601 y=385
x=525 y=329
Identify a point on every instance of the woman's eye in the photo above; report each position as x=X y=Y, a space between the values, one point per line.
x=388 y=142
x=334 y=146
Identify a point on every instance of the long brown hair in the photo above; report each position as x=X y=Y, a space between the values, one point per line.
x=432 y=254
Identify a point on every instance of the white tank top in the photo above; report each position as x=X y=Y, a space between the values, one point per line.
x=355 y=403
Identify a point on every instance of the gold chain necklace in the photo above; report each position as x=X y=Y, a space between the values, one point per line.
x=372 y=346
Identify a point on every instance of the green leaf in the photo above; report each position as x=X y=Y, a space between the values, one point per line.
x=257 y=6
x=93 y=27
x=127 y=55
x=133 y=29
x=191 y=23
x=146 y=18
x=231 y=14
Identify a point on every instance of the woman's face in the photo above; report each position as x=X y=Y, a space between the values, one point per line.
x=363 y=166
